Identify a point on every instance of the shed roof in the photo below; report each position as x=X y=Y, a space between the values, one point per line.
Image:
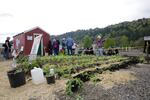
x=31 y=30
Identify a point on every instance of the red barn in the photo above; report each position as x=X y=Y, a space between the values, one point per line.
x=26 y=38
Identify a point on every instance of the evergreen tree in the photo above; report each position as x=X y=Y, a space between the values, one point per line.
x=87 y=42
x=110 y=42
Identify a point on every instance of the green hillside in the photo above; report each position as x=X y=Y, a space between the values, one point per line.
x=134 y=31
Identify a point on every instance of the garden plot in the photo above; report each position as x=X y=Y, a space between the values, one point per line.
x=78 y=69
x=66 y=68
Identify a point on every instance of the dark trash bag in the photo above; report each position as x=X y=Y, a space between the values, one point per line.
x=16 y=79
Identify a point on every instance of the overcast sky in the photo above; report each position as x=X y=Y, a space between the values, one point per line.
x=60 y=16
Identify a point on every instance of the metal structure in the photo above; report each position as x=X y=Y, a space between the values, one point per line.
x=147 y=48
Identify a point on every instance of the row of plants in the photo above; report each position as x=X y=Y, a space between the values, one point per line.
x=67 y=65
x=78 y=69
x=73 y=84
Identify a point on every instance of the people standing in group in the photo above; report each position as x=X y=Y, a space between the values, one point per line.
x=69 y=44
x=99 y=45
x=55 y=46
x=7 y=48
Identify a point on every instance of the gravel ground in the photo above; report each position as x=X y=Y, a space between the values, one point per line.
x=133 y=90
x=138 y=89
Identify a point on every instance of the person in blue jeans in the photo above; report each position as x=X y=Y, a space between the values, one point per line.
x=69 y=44
x=99 y=43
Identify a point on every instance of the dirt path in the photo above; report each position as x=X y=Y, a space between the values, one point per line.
x=27 y=92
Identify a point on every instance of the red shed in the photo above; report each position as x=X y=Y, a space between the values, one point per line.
x=26 y=39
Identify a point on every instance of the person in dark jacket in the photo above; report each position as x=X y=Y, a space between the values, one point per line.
x=55 y=46
x=7 y=48
x=69 y=44
x=50 y=48
x=58 y=44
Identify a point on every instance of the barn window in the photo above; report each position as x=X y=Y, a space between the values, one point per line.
x=29 y=37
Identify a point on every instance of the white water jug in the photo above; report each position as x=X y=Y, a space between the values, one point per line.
x=37 y=75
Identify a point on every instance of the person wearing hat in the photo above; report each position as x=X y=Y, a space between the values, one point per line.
x=99 y=44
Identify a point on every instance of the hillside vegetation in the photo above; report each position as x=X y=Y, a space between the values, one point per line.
x=133 y=32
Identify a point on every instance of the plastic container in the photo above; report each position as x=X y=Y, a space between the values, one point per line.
x=16 y=79
x=52 y=71
x=37 y=75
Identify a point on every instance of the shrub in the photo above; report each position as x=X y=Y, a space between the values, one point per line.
x=95 y=79
x=47 y=67
x=85 y=76
x=73 y=85
x=34 y=64
x=22 y=59
x=26 y=66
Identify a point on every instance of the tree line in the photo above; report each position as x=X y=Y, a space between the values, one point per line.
x=122 y=34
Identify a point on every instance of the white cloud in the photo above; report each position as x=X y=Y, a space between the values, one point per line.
x=59 y=16
x=5 y=15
